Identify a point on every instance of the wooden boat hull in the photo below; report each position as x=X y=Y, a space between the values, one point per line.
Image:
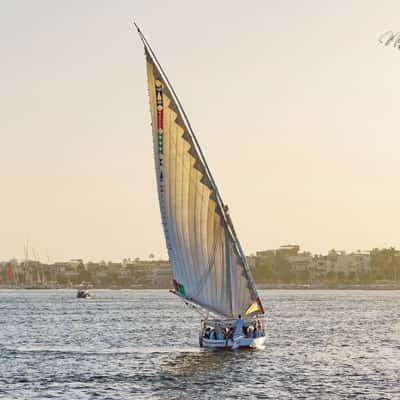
x=244 y=343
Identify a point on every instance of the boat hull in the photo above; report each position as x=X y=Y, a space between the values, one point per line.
x=244 y=343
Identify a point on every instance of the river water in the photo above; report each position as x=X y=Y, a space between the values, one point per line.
x=143 y=344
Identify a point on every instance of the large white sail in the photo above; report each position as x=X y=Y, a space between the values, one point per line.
x=208 y=265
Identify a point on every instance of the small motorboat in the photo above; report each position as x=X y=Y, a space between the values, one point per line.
x=83 y=294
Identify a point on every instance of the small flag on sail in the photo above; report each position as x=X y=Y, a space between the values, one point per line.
x=255 y=307
x=179 y=287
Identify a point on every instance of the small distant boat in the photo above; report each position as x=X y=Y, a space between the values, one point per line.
x=83 y=294
x=209 y=267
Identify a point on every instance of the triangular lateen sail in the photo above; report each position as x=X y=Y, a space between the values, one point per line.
x=208 y=264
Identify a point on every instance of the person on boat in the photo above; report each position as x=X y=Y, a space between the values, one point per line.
x=212 y=335
x=229 y=334
x=220 y=335
x=238 y=327
x=249 y=331
x=216 y=331
x=260 y=328
x=207 y=333
x=226 y=333
x=256 y=332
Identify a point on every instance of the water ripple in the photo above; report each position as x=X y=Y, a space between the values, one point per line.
x=143 y=345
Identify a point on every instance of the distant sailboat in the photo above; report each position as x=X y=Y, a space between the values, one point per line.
x=209 y=268
x=83 y=292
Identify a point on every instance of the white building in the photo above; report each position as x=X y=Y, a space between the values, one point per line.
x=346 y=263
x=301 y=261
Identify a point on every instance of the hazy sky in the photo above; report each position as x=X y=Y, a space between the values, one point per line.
x=295 y=104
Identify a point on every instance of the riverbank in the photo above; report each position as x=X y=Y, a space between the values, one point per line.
x=286 y=286
x=293 y=286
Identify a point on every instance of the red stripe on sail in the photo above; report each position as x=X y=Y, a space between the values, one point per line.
x=260 y=305
x=160 y=119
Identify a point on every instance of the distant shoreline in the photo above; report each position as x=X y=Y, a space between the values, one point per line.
x=375 y=286
x=259 y=286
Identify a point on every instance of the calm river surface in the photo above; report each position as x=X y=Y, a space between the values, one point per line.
x=143 y=344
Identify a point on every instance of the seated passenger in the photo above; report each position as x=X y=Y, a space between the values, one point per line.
x=257 y=331
x=226 y=333
x=207 y=333
x=220 y=335
x=229 y=334
x=212 y=335
x=261 y=329
x=250 y=331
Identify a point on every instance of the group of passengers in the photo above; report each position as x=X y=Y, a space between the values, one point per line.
x=218 y=333
x=253 y=330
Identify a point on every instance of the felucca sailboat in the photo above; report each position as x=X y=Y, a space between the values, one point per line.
x=209 y=268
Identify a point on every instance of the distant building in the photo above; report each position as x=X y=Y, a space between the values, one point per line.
x=291 y=253
x=75 y=263
x=251 y=261
x=301 y=261
x=286 y=250
x=334 y=261
x=348 y=262
x=61 y=267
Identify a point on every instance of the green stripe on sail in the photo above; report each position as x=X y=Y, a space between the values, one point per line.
x=181 y=289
